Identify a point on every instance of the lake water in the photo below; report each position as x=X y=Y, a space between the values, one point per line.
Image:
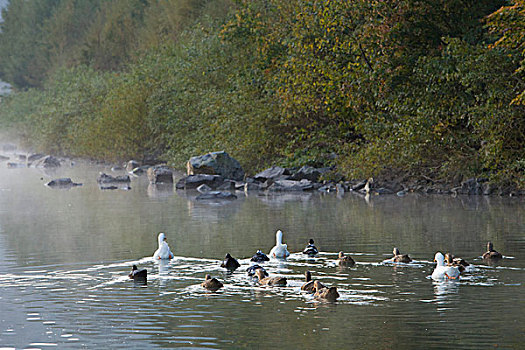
x=65 y=256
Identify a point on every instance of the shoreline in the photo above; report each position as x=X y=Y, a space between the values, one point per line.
x=286 y=179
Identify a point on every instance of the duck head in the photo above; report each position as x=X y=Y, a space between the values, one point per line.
x=208 y=277
x=133 y=269
x=317 y=286
x=490 y=246
x=311 y=241
x=279 y=237
x=439 y=259
x=449 y=258
x=396 y=252
x=341 y=255
x=161 y=238
x=228 y=256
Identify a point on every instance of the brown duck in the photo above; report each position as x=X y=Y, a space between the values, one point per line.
x=400 y=258
x=211 y=284
x=345 y=260
x=324 y=293
x=308 y=286
x=460 y=263
x=270 y=281
x=491 y=254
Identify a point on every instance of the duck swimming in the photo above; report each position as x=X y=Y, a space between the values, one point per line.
x=138 y=276
x=309 y=286
x=324 y=293
x=211 y=284
x=260 y=257
x=442 y=271
x=491 y=254
x=279 y=251
x=400 y=258
x=163 y=252
x=460 y=263
x=251 y=270
x=230 y=263
x=278 y=281
x=311 y=250
x=345 y=260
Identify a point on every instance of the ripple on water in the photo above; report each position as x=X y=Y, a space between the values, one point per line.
x=105 y=293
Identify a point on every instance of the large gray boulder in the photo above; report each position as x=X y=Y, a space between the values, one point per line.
x=160 y=174
x=216 y=163
x=46 y=162
x=193 y=181
x=273 y=173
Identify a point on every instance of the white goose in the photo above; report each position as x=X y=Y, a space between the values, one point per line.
x=163 y=252
x=442 y=271
x=279 y=251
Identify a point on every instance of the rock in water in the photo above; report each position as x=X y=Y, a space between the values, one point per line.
x=216 y=163
x=160 y=174
x=104 y=178
x=64 y=182
x=194 y=181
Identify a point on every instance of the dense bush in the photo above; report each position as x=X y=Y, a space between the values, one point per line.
x=429 y=87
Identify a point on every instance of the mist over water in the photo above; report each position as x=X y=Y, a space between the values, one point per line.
x=65 y=256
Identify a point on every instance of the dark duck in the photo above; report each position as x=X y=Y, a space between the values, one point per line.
x=138 y=276
x=260 y=257
x=491 y=254
x=311 y=250
x=230 y=263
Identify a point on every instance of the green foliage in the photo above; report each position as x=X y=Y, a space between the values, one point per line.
x=508 y=24
x=429 y=87
x=23 y=58
x=202 y=102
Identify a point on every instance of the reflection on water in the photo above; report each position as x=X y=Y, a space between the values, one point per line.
x=65 y=256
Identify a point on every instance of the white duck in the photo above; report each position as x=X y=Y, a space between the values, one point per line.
x=164 y=251
x=279 y=251
x=443 y=271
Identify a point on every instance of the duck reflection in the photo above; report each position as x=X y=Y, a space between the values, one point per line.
x=444 y=291
x=164 y=269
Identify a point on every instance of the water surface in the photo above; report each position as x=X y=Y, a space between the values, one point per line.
x=65 y=256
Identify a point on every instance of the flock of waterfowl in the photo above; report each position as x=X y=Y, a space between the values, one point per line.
x=448 y=266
